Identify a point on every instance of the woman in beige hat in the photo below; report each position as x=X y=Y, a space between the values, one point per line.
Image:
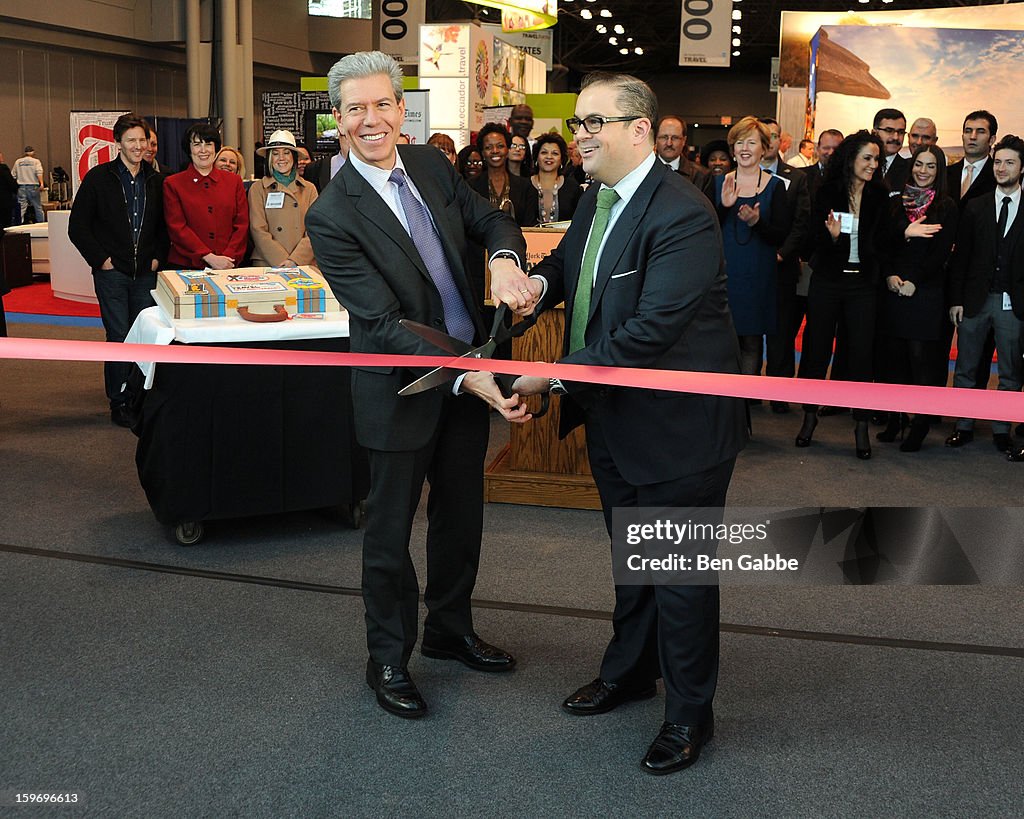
x=277 y=207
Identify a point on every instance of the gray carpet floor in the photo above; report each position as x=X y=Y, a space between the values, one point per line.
x=161 y=688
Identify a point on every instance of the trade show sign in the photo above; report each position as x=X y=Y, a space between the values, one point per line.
x=705 y=33
x=92 y=142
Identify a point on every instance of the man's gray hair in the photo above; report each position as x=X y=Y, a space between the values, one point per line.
x=359 y=65
x=634 y=97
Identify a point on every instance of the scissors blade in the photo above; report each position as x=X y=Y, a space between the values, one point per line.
x=444 y=375
x=440 y=340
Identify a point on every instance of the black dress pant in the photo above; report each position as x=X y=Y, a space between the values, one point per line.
x=453 y=463
x=663 y=631
x=121 y=299
x=833 y=299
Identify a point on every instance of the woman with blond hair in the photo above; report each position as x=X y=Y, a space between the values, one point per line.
x=755 y=220
x=277 y=207
x=230 y=159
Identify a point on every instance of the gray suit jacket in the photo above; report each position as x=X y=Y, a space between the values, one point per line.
x=375 y=271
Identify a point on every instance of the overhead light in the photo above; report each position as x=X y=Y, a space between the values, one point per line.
x=586 y=14
x=638 y=50
x=629 y=39
x=736 y=42
x=623 y=51
x=737 y=29
x=613 y=40
x=737 y=14
x=736 y=54
x=605 y=13
x=619 y=29
x=601 y=28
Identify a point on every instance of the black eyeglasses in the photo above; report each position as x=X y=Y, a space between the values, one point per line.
x=893 y=131
x=594 y=124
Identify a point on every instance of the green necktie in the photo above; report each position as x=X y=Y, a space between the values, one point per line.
x=581 y=304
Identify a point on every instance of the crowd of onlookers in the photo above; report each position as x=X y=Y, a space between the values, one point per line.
x=883 y=255
x=877 y=251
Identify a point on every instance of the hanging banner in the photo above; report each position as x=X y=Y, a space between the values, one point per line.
x=535 y=43
x=705 y=33
x=92 y=142
x=396 y=25
x=417 y=116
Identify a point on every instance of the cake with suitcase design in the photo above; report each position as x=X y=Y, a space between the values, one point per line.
x=254 y=293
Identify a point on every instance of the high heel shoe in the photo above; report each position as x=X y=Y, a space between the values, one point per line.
x=898 y=423
x=803 y=437
x=862 y=440
x=919 y=428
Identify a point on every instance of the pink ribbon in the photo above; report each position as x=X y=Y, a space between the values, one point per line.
x=948 y=401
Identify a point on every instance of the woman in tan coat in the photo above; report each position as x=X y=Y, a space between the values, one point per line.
x=277 y=207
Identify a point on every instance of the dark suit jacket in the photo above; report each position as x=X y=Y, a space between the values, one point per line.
x=319 y=173
x=699 y=176
x=376 y=272
x=830 y=258
x=984 y=182
x=659 y=302
x=899 y=173
x=975 y=256
x=521 y=193
x=798 y=202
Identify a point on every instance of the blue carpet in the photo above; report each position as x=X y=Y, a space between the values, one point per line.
x=65 y=321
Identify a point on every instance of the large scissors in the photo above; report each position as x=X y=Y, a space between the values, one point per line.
x=445 y=375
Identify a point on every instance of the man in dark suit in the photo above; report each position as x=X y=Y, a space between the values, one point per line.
x=828 y=141
x=987 y=284
x=781 y=345
x=967 y=179
x=972 y=175
x=322 y=171
x=890 y=126
x=670 y=143
x=642 y=276
x=390 y=235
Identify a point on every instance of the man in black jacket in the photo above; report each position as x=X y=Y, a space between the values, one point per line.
x=117 y=224
x=987 y=285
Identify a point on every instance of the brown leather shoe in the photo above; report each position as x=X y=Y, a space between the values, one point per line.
x=676 y=747
x=600 y=697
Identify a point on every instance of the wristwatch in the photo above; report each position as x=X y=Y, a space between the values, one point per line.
x=505 y=254
x=555 y=387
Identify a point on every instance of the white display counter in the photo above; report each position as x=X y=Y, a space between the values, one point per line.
x=70 y=274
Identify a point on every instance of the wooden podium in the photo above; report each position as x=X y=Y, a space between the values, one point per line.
x=536 y=469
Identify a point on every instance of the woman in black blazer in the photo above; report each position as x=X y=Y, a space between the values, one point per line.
x=912 y=308
x=557 y=194
x=847 y=217
x=509 y=193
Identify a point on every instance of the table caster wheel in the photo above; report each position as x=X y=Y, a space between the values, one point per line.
x=188 y=534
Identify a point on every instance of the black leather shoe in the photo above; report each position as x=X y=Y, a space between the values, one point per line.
x=1016 y=456
x=120 y=415
x=803 y=437
x=960 y=437
x=676 y=747
x=1001 y=441
x=780 y=407
x=600 y=697
x=469 y=650
x=396 y=692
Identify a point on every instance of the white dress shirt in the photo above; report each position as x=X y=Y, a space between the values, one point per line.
x=978 y=166
x=1011 y=210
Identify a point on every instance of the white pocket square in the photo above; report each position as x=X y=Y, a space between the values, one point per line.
x=623 y=275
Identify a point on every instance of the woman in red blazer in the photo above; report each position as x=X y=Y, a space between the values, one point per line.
x=206 y=208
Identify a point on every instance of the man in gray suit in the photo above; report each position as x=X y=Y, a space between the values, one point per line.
x=642 y=276
x=390 y=235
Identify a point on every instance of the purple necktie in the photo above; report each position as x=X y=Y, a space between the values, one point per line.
x=456 y=317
